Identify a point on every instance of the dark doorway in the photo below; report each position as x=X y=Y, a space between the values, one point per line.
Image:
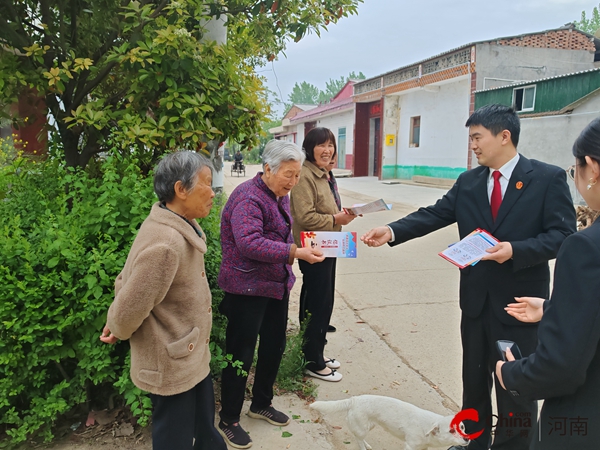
x=374 y=146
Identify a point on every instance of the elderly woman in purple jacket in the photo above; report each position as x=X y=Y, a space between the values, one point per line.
x=256 y=275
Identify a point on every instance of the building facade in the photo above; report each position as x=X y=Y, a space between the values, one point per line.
x=411 y=121
x=338 y=116
x=553 y=112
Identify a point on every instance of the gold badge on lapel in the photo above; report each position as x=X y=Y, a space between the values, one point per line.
x=519 y=184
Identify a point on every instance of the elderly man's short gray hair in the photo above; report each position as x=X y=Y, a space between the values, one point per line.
x=277 y=152
x=178 y=166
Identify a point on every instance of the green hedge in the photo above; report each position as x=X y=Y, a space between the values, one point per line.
x=64 y=238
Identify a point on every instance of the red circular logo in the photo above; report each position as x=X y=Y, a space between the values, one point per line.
x=466 y=414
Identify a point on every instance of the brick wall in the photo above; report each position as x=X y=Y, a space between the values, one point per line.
x=559 y=39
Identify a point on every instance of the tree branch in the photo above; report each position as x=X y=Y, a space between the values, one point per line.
x=14 y=38
x=106 y=70
x=47 y=39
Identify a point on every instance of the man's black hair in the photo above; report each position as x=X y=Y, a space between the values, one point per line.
x=497 y=118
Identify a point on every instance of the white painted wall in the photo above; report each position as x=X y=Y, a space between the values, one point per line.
x=444 y=138
x=334 y=122
x=341 y=120
x=300 y=134
x=550 y=138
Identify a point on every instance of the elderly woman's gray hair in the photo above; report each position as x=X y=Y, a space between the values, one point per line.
x=277 y=152
x=178 y=166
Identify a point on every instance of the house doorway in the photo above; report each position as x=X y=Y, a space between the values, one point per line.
x=374 y=146
x=367 y=139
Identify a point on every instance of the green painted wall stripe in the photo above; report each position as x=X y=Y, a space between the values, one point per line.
x=407 y=172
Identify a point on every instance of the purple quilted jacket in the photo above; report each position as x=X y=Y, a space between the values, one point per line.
x=256 y=240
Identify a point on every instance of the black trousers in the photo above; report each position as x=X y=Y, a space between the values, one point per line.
x=316 y=304
x=250 y=317
x=187 y=420
x=515 y=424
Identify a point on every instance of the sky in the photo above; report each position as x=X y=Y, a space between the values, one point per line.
x=388 y=34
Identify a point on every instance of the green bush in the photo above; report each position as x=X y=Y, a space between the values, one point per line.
x=291 y=371
x=65 y=237
x=254 y=156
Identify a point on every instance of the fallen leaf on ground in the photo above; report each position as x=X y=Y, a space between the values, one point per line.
x=336 y=427
x=286 y=434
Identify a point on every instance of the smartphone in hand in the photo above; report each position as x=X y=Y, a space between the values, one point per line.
x=514 y=348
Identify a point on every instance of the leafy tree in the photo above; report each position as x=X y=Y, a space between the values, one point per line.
x=308 y=94
x=141 y=73
x=590 y=25
x=332 y=87
x=304 y=93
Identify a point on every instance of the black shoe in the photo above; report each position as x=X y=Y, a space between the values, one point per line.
x=458 y=447
x=331 y=329
x=271 y=415
x=234 y=435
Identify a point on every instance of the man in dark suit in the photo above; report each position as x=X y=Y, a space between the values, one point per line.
x=527 y=206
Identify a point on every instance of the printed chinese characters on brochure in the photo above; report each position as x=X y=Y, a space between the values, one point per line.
x=469 y=250
x=333 y=244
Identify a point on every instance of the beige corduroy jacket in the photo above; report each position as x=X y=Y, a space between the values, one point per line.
x=312 y=203
x=163 y=305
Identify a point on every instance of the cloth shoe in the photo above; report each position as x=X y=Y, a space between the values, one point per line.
x=332 y=363
x=333 y=376
x=269 y=414
x=234 y=435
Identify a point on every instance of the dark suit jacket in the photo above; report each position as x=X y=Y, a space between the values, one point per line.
x=565 y=368
x=535 y=216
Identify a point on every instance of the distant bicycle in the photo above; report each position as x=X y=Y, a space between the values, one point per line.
x=239 y=168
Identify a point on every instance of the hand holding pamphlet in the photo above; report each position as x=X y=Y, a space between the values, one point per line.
x=469 y=250
x=377 y=205
x=333 y=244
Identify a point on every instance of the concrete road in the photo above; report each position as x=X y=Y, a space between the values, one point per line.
x=397 y=317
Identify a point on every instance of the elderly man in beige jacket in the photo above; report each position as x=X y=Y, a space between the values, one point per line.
x=163 y=306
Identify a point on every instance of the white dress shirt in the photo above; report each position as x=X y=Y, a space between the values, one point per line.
x=506 y=171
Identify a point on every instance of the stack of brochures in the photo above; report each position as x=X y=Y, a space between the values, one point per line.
x=469 y=250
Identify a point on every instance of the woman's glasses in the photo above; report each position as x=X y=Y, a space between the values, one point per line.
x=571 y=172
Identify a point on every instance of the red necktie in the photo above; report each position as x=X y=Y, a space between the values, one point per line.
x=496 y=194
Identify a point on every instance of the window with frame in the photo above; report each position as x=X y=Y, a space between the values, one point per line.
x=415 y=131
x=524 y=99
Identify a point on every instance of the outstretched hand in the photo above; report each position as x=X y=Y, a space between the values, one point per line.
x=527 y=309
x=377 y=236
